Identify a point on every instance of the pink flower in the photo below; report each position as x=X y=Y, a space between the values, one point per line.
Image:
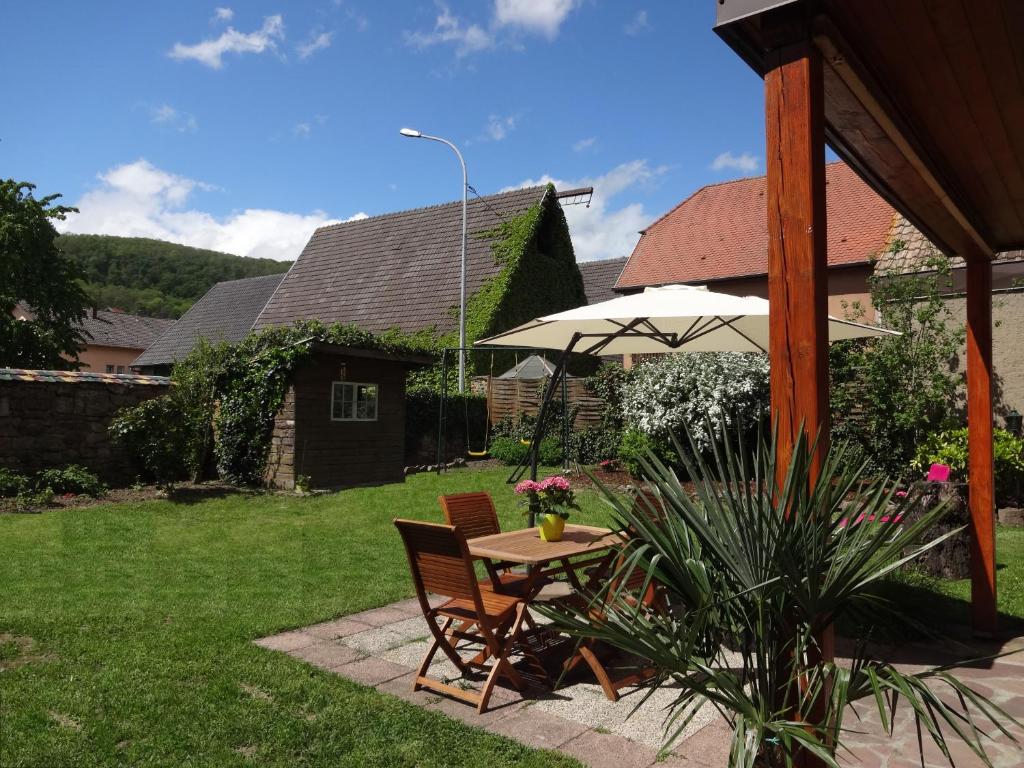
x=555 y=482
x=528 y=486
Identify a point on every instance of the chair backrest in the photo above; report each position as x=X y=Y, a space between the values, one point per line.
x=648 y=501
x=473 y=513
x=439 y=560
x=938 y=473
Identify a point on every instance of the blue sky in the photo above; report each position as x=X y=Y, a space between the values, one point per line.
x=243 y=127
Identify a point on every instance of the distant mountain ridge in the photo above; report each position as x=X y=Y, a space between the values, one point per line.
x=152 y=277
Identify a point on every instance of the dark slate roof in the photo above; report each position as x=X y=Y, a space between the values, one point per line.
x=226 y=313
x=599 y=278
x=117 y=329
x=398 y=270
x=533 y=367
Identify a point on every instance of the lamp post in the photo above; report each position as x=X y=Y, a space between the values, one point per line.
x=414 y=134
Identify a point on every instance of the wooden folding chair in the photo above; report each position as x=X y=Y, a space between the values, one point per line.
x=440 y=563
x=475 y=516
x=637 y=590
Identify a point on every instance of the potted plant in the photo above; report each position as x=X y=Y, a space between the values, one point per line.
x=551 y=499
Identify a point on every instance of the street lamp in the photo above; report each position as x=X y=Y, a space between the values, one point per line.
x=414 y=134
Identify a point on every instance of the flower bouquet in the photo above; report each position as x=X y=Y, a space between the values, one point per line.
x=551 y=499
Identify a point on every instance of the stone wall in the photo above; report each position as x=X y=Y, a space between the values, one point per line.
x=280 y=471
x=52 y=419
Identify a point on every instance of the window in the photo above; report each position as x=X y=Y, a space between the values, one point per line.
x=353 y=402
x=110 y=369
x=120 y=369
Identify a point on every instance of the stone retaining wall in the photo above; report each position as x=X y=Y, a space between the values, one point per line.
x=55 y=418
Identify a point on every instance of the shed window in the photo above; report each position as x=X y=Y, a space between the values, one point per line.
x=353 y=402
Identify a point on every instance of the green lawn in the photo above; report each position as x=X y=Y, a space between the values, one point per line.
x=141 y=616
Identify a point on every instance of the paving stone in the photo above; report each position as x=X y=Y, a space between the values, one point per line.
x=401 y=687
x=379 y=617
x=605 y=750
x=537 y=728
x=377 y=640
x=331 y=630
x=707 y=747
x=287 y=641
x=371 y=670
x=327 y=655
x=466 y=712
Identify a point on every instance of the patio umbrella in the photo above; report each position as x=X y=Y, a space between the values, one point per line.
x=673 y=318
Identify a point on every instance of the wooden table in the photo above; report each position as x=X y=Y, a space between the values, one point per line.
x=525 y=547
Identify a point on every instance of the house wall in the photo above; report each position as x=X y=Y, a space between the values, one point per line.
x=336 y=454
x=96 y=357
x=53 y=424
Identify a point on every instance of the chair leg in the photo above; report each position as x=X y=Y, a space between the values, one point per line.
x=609 y=688
x=440 y=641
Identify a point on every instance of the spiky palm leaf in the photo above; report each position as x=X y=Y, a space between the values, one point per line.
x=766 y=566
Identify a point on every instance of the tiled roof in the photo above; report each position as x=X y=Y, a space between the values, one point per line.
x=911 y=251
x=117 y=329
x=721 y=231
x=599 y=278
x=80 y=377
x=398 y=270
x=226 y=313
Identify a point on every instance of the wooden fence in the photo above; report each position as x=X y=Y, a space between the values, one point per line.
x=511 y=397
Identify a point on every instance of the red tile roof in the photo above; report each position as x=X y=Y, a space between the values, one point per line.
x=721 y=231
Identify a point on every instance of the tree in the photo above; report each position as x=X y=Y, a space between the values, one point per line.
x=889 y=393
x=34 y=272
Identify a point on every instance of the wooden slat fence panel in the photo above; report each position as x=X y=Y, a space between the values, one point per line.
x=511 y=397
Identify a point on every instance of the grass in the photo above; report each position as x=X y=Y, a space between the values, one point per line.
x=126 y=629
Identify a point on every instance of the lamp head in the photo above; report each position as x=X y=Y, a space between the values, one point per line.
x=411 y=133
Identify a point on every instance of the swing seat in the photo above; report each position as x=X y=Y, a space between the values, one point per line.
x=477 y=454
x=526 y=442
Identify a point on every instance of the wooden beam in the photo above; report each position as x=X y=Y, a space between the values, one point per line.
x=797 y=268
x=979 y=440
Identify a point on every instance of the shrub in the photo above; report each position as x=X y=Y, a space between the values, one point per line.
x=71 y=479
x=636 y=445
x=594 y=444
x=550 y=452
x=12 y=483
x=950 y=448
x=154 y=435
x=511 y=451
x=688 y=391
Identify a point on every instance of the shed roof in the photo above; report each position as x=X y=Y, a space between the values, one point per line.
x=119 y=329
x=226 y=313
x=533 y=367
x=599 y=278
x=398 y=270
x=721 y=232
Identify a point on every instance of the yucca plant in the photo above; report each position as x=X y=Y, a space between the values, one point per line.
x=766 y=562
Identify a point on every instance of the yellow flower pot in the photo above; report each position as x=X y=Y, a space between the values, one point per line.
x=551 y=527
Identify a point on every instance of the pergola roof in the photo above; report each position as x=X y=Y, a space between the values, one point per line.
x=924 y=99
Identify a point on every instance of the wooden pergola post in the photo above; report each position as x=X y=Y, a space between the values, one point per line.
x=797 y=279
x=797 y=263
x=981 y=482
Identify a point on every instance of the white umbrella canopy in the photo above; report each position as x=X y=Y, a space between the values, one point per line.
x=672 y=318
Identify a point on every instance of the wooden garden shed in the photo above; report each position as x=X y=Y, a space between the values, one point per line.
x=342 y=423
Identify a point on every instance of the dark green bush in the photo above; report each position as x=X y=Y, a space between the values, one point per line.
x=636 y=444
x=70 y=479
x=950 y=447
x=154 y=434
x=550 y=452
x=511 y=451
x=12 y=483
x=594 y=444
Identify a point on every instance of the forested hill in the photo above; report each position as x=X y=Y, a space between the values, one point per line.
x=153 y=277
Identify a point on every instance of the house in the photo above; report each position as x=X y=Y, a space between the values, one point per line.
x=600 y=277
x=113 y=339
x=226 y=313
x=719 y=237
x=343 y=420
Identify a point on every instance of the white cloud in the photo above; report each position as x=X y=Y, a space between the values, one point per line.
x=302 y=130
x=210 y=52
x=222 y=14
x=167 y=115
x=499 y=127
x=599 y=232
x=727 y=161
x=449 y=29
x=539 y=17
x=140 y=200
x=584 y=144
x=314 y=44
x=637 y=25
x=543 y=17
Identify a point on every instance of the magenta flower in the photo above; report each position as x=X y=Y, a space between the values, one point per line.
x=528 y=486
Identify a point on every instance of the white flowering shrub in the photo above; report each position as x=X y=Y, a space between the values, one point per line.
x=667 y=393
